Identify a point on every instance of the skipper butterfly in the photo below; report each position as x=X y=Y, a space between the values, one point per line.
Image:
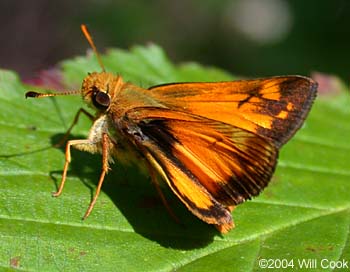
x=215 y=144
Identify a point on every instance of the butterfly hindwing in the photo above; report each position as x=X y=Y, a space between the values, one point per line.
x=208 y=164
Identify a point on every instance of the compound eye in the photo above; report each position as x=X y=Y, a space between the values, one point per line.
x=101 y=100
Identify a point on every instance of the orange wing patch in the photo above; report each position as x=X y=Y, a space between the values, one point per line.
x=186 y=187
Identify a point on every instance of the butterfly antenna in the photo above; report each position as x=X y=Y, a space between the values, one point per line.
x=33 y=94
x=92 y=44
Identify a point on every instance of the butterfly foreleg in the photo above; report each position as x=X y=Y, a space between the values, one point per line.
x=97 y=142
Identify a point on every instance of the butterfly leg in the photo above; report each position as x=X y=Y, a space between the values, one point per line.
x=87 y=145
x=97 y=142
x=75 y=121
x=67 y=162
x=106 y=143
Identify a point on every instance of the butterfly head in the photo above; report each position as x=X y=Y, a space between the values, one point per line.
x=98 y=89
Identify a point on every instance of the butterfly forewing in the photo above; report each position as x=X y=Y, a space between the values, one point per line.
x=273 y=107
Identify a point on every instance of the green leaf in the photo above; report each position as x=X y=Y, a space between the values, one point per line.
x=304 y=214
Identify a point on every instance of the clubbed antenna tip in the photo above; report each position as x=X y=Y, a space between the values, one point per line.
x=32 y=94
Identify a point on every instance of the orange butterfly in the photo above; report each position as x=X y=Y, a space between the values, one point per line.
x=215 y=144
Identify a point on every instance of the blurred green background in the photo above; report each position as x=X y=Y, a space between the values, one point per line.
x=246 y=37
